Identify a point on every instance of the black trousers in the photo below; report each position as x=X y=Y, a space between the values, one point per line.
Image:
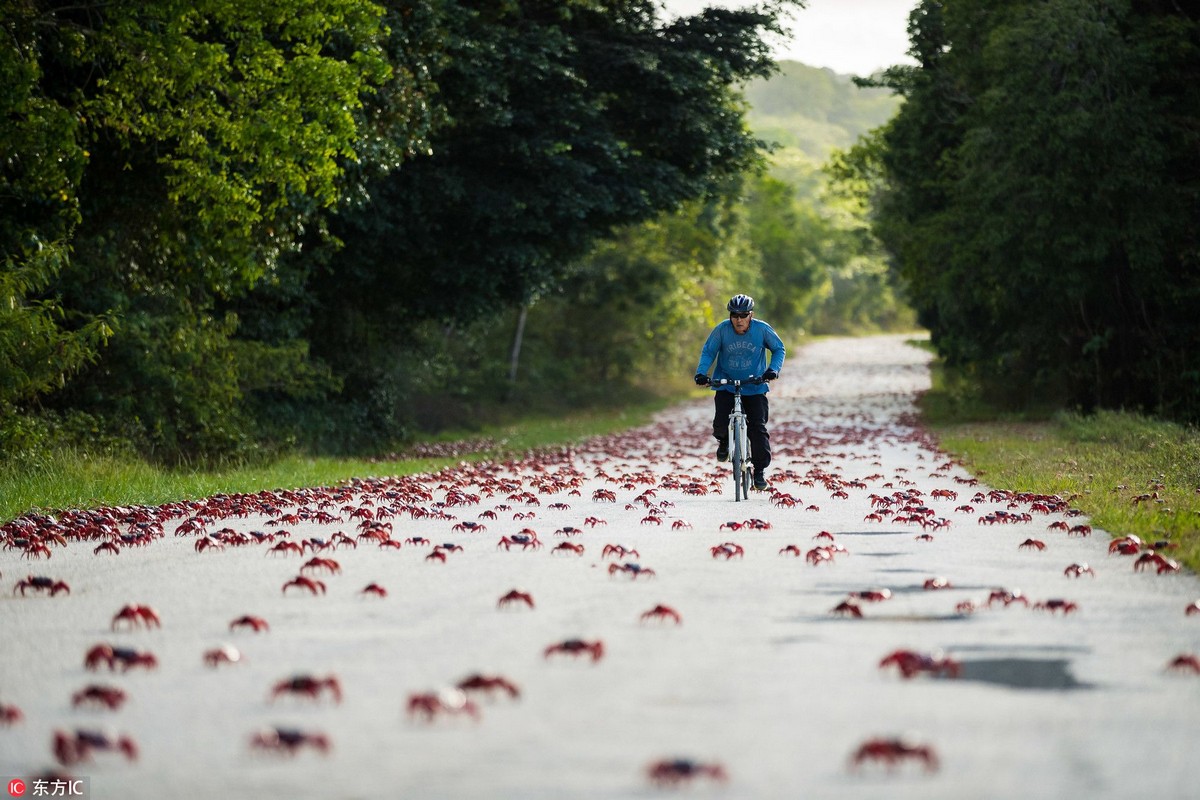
x=756 y=408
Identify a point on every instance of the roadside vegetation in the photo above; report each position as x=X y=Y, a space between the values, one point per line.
x=62 y=478
x=1129 y=473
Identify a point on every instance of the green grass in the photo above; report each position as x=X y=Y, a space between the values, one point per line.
x=1129 y=473
x=75 y=479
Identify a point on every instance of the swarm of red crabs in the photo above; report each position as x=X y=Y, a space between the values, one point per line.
x=402 y=518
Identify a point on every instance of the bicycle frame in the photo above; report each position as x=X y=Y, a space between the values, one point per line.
x=739 y=440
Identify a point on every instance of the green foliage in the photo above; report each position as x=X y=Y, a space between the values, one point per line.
x=1040 y=197
x=815 y=111
x=37 y=351
x=175 y=150
x=1128 y=473
x=567 y=123
x=825 y=270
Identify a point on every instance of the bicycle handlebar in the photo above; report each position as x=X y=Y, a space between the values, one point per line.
x=755 y=379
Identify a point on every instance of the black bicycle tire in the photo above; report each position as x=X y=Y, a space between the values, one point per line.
x=736 y=458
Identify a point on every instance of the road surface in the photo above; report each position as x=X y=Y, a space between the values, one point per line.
x=760 y=676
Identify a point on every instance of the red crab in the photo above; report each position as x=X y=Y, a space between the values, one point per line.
x=911 y=663
x=678 y=771
x=73 y=748
x=374 y=589
x=125 y=656
x=1129 y=545
x=111 y=547
x=1192 y=608
x=731 y=525
x=819 y=555
x=226 y=654
x=604 y=495
x=630 y=568
x=1076 y=570
x=449 y=702
x=662 y=612
x=892 y=752
x=287 y=741
x=567 y=547
x=515 y=596
x=1007 y=597
x=728 y=550
x=488 y=684
x=568 y=530
x=308 y=686
x=256 y=624
x=1065 y=606
x=791 y=549
x=318 y=564
x=592 y=522
x=40 y=583
x=1185 y=662
x=286 y=547
x=470 y=527
x=137 y=615
x=1151 y=558
x=576 y=647
x=302 y=582
x=10 y=715
x=618 y=551
x=933 y=584
x=847 y=609
x=96 y=695
x=681 y=524
x=1032 y=544
x=872 y=595
x=526 y=540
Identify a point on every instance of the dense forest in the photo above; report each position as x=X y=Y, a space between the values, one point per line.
x=227 y=228
x=230 y=230
x=1038 y=191
x=329 y=224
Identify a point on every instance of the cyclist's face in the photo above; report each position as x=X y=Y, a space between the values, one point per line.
x=741 y=322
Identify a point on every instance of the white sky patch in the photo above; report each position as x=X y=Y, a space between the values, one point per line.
x=851 y=37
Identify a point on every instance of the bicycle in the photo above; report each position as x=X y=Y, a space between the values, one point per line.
x=739 y=440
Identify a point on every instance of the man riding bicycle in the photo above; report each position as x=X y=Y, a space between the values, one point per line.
x=737 y=346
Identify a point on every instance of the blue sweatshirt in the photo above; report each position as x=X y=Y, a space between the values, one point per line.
x=741 y=357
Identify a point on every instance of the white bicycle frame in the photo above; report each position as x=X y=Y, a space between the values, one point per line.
x=739 y=442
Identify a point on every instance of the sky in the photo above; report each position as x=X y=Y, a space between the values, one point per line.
x=852 y=37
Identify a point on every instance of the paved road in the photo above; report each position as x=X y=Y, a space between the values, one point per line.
x=759 y=677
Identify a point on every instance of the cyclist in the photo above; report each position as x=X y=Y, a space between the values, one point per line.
x=737 y=346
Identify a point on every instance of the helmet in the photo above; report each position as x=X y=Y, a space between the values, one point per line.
x=740 y=304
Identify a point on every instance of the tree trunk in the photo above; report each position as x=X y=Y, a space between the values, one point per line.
x=515 y=357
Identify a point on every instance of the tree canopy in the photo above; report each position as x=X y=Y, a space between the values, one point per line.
x=214 y=214
x=1039 y=192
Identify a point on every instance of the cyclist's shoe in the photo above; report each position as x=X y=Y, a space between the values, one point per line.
x=722 y=450
x=760 y=480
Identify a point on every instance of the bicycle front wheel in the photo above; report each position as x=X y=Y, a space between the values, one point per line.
x=737 y=450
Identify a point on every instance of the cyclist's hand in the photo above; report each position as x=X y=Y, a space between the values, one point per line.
x=770 y=375
x=701 y=379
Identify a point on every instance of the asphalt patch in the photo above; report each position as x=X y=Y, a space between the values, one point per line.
x=1052 y=674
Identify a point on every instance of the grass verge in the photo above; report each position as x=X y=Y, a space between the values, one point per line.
x=1128 y=473
x=73 y=479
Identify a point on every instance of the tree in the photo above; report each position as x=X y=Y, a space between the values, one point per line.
x=197 y=141
x=1041 y=196
x=567 y=121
